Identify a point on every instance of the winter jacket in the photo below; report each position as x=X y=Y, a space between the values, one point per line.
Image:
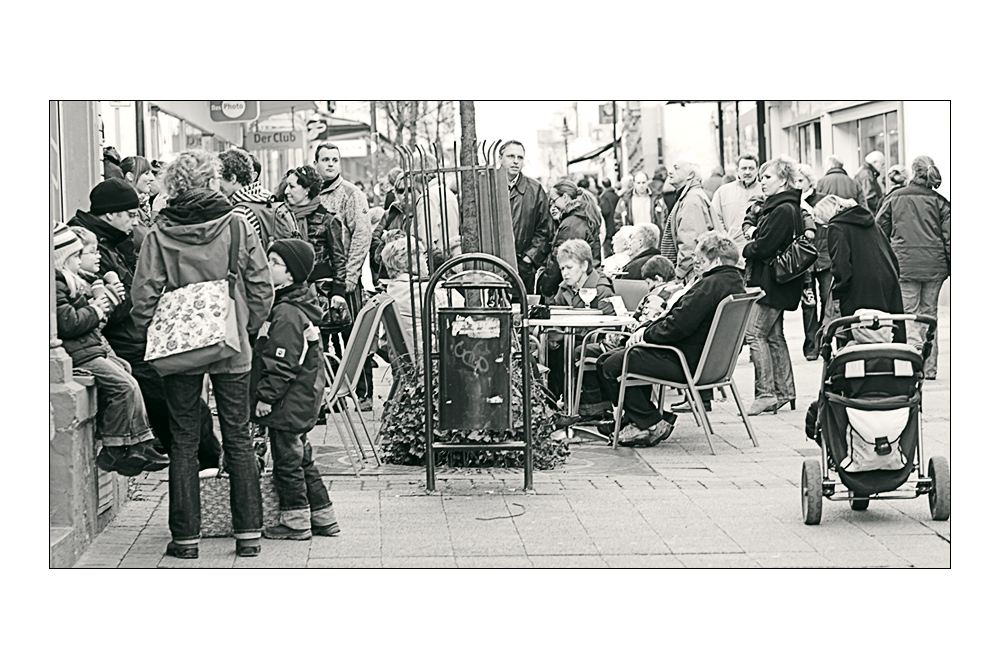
x=625 y=216
x=836 y=182
x=687 y=323
x=633 y=269
x=191 y=244
x=570 y=297
x=608 y=201
x=532 y=223
x=573 y=225
x=917 y=221
x=288 y=371
x=690 y=217
x=271 y=219
x=820 y=241
x=326 y=233
x=865 y=271
x=729 y=207
x=77 y=323
x=394 y=218
x=140 y=228
x=779 y=223
x=127 y=340
x=346 y=201
x=869 y=189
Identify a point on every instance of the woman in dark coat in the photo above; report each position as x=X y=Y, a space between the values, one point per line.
x=780 y=221
x=865 y=270
x=578 y=217
x=817 y=303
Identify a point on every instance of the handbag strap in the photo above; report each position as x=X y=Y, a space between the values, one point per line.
x=234 y=255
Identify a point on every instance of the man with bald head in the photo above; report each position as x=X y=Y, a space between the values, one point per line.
x=867 y=180
x=690 y=217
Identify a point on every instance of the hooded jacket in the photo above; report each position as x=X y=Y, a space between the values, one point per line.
x=917 y=221
x=572 y=225
x=77 y=324
x=687 y=323
x=869 y=190
x=326 y=233
x=288 y=371
x=190 y=244
x=127 y=340
x=780 y=221
x=865 y=270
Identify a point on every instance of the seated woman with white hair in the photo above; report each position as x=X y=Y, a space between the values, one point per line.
x=621 y=244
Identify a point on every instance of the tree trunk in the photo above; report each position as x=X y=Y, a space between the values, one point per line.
x=470 y=213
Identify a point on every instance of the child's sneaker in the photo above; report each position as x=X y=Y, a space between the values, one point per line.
x=285 y=532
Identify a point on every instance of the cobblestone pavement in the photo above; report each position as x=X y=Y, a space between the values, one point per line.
x=675 y=505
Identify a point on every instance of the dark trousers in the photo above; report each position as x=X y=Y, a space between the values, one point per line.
x=816 y=315
x=301 y=492
x=155 y=398
x=232 y=398
x=638 y=405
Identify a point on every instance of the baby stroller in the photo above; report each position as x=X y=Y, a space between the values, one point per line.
x=868 y=420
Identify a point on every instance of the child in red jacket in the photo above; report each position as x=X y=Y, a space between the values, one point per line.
x=287 y=380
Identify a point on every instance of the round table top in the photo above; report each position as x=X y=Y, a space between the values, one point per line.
x=580 y=321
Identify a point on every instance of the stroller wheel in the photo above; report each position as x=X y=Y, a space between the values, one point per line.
x=812 y=492
x=940 y=494
x=860 y=504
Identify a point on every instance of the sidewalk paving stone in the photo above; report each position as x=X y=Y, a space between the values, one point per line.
x=344 y=563
x=717 y=560
x=568 y=561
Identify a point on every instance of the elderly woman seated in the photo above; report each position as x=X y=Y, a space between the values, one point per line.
x=643 y=245
x=405 y=260
x=685 y=326
x=620 y=243
x=582 y=287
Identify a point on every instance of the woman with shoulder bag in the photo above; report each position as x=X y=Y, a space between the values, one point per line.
x=779 y=223
x=192 y=243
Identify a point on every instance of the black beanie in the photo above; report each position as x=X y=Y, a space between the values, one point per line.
x=298 y=255
x=111 y=196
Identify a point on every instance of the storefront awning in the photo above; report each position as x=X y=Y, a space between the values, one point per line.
x=270 y=108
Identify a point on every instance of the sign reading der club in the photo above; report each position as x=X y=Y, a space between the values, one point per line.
x=275 y=139
x=233 y=111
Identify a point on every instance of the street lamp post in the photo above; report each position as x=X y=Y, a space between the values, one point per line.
x=566 y=134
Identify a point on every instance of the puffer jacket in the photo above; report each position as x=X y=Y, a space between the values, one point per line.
x=917 y=221
x=779 y=222
x=77 y=323
x=190 y=244
x=573 y=225
x=127 y=340
x=287 y=370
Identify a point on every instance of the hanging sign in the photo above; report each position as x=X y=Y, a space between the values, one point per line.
x=233 y=111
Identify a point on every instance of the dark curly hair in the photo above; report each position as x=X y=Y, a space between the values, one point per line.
x=237 y=163
x=308 y=178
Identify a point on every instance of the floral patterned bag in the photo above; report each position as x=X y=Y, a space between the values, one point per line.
x=195 y=325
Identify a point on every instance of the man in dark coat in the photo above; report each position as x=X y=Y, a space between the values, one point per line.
x=113 y=208
x=865 y=270
x=608 y=200
x=684 y=326
x=836 y=182
x=529 y=214
x=870 y=190
x=643 y=246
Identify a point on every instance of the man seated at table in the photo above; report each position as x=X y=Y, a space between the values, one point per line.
x=659 y=276
x=582 y=286
x=684 y=326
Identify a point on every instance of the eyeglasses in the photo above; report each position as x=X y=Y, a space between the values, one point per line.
x=402 y=191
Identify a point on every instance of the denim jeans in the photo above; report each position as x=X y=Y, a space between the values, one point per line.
x=301 y=493
x=772 y=365
x=921 y=297
x=154 y=395
x=121 y=414
x=232 y=399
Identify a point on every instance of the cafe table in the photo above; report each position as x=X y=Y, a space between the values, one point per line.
x=569 y=323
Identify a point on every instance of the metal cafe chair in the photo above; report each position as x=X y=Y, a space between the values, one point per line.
x=341 y=383
x=715 y=368
x=632 y=291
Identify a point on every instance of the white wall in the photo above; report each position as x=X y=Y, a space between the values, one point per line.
x=927 y=131
x=691 y=130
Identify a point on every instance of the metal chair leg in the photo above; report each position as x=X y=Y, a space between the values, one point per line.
x=700 y=408
x=619 y=412
x=364 y=427
x=743 y=414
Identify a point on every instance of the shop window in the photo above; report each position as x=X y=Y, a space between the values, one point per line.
x=874 y=133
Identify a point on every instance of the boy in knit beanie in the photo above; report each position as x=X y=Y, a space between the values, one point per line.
x=286 y=381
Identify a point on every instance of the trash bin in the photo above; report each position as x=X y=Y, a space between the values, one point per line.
x=475 y=386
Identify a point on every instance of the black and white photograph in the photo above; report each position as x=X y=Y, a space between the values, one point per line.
x=497 y=334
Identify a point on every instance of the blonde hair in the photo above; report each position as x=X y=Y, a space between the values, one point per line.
x=86 y=237
x=784 y=170
x=578 y=251
x=397 y=260
x=190 y=170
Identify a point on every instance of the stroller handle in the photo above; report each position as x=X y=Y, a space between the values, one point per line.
x=845 y=322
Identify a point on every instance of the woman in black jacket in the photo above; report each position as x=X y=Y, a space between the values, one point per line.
x=779 y=223
x=578 y=217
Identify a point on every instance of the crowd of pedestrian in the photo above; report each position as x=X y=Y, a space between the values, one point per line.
x=302 y=261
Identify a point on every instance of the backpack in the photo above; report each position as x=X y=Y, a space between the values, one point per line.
x=276 y=221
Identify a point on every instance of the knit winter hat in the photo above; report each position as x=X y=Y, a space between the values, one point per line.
x=64 y=243
x=298 y=255
x=111 y=196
